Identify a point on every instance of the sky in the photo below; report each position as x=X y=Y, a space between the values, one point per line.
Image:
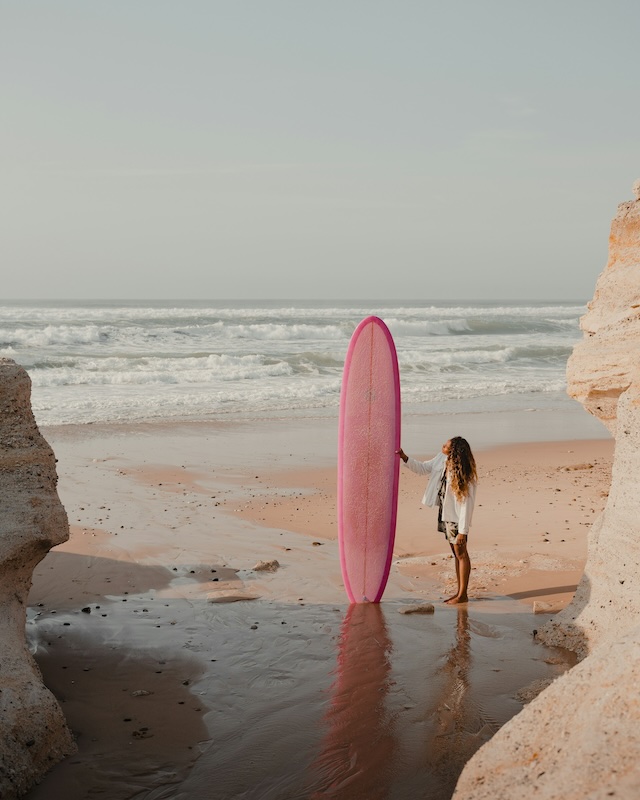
x=337 y=149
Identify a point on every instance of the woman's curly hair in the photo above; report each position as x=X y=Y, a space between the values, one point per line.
x=461 y=467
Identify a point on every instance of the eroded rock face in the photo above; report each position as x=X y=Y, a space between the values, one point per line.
x=607 y=361
x=33 y=732
x=604 y=374
x=580 y=738
x=607 y=601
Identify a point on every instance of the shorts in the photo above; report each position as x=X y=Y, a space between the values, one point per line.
x=450 y=530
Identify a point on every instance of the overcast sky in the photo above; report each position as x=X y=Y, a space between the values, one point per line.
x=336 y=149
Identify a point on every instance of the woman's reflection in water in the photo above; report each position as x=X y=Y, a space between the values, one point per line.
x=451 y=711
x=356 y=758
x=461 y=726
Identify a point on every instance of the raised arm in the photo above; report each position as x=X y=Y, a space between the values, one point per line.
x=420 y=467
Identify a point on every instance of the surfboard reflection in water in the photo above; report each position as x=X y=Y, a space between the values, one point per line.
x=356 y=754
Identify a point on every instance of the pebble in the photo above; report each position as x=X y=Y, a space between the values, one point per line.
x=421 y=608
x=541 y=607
x=229 y=597
x=266 y=566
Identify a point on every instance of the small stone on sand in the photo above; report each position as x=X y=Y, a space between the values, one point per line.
x=266 y=566
x=540 y=607
x=229 y=597
x=421 y=608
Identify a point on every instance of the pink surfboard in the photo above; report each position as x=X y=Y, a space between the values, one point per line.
x=368 y=467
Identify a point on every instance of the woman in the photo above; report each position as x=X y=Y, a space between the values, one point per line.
x=453 y=487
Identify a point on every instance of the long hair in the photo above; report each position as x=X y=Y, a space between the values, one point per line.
x=461 y=467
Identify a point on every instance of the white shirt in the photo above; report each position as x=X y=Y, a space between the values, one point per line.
x=453 y=509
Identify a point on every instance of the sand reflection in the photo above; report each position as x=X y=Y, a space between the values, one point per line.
x=356 y=754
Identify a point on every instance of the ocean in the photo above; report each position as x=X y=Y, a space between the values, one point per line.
x=137 y=361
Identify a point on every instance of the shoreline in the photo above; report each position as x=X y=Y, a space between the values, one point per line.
x=167 y=525
x=524 y=422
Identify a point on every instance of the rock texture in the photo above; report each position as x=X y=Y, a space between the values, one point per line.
x=580 y=738
x=606 y=362
x=33 y=732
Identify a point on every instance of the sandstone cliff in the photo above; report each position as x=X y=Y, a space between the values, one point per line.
x=606 y=362
x=581 y=737
x=33 y=732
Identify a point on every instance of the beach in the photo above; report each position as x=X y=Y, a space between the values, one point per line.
x=205 y=207
x=184 y=671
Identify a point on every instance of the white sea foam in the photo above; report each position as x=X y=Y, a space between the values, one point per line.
x=281 y=332
x=51 y=335
x=423 y=327
x=203 y=370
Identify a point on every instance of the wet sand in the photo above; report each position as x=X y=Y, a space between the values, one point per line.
x=185 y=673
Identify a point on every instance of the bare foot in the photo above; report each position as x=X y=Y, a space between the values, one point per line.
x=454 y=601
x=449 y=599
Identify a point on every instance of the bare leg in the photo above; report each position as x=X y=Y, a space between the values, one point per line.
x=457 y=563
x=463 y=570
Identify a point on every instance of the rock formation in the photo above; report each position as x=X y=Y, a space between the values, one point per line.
x=607 y=361
x=580 y=738
x=33 y=732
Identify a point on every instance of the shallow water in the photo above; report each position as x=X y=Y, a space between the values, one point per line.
x=307 y=701
x=409 y=699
